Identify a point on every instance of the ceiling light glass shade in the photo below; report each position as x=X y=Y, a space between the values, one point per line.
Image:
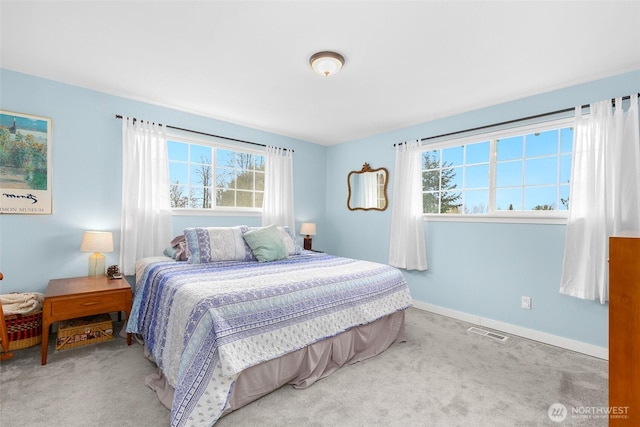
x=326 y=63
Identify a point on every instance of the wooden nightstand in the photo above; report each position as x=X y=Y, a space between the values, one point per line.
x=74 y=297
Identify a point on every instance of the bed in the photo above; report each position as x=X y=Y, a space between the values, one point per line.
x=226 y=332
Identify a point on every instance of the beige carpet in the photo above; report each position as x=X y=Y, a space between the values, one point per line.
x=442 y=376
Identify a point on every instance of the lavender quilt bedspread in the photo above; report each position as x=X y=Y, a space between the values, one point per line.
x=205 y=323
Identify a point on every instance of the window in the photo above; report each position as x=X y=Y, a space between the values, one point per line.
x=509 y=172
x=204 y=176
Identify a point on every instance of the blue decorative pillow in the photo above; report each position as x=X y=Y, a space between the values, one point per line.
x=211 y=244
x=170 y=252
x=266 y=243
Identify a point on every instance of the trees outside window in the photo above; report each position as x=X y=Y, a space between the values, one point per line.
x=519 y=170
x=210 y=177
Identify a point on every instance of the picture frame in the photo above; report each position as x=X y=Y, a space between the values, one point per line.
x=25 y=164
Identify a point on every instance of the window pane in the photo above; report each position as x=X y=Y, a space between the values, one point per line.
x=508 y=199
x=224 y=178
x=431 y=180
x=244 y=199
x=260 y=164
x=564 y=197
x=565 y=168
x=540 y=198
x=200 y=154
x=431 y=159
x=245 y=161
x=225 y=158
x=178 y=151
x=200 y=197
x=245 y=180
x=478 y=152
x=476 y=201
x=200 y=174
x=451 y=178
x=510 y=148
x=509 y=174
x=542 y=143
x=541 y=171
x=566 y=140
x=450 y=202
x=178 y=173
x=226 y=197
x=260 y=183
x=452 y=156
x=178 y=196
x=430 y=203
x=477 y=176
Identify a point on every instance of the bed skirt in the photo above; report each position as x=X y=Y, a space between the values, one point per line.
x=302 y=368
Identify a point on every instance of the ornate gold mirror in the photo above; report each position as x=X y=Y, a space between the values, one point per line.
x=368 y=189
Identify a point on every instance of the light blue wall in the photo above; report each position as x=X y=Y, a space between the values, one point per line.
x=87 y=177
x=477 y=268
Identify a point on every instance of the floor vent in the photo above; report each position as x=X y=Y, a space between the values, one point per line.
x=489 y=334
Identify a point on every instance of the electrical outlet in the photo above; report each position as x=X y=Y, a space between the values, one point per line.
x=526 y=303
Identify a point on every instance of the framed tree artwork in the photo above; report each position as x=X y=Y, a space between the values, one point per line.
x=25 y=164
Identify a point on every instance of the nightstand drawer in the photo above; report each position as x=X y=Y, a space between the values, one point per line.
x=78 y=306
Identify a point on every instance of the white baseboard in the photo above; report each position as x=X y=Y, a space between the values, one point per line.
x=532 y=334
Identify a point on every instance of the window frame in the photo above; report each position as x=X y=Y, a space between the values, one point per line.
x=501 y=216
x=214 y=143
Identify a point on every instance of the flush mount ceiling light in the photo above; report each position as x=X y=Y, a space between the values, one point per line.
x=326 y=63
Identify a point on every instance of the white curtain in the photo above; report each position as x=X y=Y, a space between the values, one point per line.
x=146 y=210
x=277 y=204
x=407 y=248
x=605 y=194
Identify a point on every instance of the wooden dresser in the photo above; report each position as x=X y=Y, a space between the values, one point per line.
x=624 y=329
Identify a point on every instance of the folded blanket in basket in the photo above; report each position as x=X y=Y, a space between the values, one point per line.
x=21 y=303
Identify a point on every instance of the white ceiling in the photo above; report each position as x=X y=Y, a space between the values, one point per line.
x=246 y=62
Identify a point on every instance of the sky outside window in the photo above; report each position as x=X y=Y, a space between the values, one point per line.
x=193 y=168
x=532 y=172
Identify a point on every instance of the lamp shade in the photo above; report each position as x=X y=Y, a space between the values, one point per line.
x=308 y=228
x=97 y=241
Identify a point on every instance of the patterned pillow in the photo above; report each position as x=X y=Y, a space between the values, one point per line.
x=211 y=244
x=290 y=242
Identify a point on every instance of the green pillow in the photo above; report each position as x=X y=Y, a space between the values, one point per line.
x=266 y=243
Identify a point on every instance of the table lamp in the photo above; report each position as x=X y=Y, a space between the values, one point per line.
x=96 y=242
x=308 y=228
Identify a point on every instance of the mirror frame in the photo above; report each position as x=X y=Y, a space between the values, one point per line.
x=367 y=168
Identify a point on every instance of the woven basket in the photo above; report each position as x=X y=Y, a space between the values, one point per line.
x=84 y=330
x=24 y=330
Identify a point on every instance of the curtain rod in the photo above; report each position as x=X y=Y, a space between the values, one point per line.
x=508 y=122
x=118 y=116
